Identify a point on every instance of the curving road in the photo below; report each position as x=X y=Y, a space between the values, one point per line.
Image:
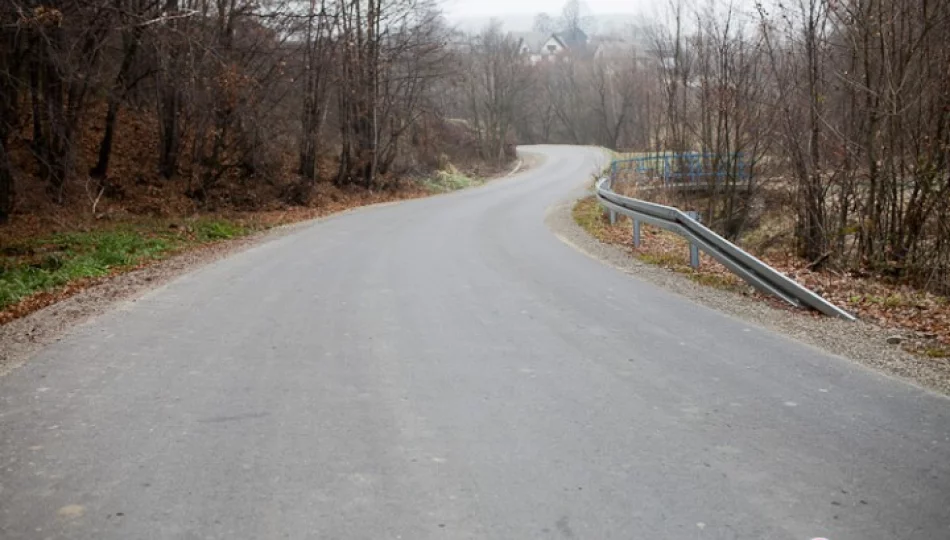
x=447 y=368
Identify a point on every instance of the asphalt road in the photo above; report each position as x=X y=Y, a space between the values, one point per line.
x=447 y=368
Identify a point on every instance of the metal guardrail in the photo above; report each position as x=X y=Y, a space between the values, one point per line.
x=755 y=272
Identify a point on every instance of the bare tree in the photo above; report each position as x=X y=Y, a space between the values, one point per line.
x=11 y=66
x=133 y=20
x=378 y=40
x=499 y=80
x=575 y=17
x=544 y=23
x=172 y=74
x=226 y=86
x=318 y=51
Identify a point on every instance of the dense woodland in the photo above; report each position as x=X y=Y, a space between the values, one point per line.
x=847 y=104
x=222 y=98
x=839 y=109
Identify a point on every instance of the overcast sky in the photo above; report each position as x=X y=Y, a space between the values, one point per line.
x=479 y=8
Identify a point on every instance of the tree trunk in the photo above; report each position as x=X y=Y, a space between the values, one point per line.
x=6 y=182
x=59 y=142
x=169 y=107
x=171 y=138
x=119 y=89
x=9 y=100
x=101 y=168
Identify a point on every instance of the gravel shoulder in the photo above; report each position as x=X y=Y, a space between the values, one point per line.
x=860 y=342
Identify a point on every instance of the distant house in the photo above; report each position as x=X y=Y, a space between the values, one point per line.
x=530 y=44
x=636 y=49
x=541 y=47
x=574 y=42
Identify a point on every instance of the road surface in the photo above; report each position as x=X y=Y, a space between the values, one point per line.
x=447 y=368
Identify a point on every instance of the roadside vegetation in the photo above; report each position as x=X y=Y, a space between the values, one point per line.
x=914 y=319
x=658 y=247
x=41 y=265
x=48 y=263
x=444 y=181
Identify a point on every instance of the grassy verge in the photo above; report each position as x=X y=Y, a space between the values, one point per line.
x=42 y=263
x=44 y=259
x=48 y=263
x=590 y=216
x=450 y=180
x=657 y=247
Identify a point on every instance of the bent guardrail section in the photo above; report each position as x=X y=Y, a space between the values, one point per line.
x=755 y=272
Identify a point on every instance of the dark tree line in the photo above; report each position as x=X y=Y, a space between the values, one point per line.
x=230 y=86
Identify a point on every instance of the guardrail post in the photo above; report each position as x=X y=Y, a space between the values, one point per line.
x=636 y=233
x=693 y=248
x=613 y=217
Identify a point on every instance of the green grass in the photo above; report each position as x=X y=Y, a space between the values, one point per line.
x=894 y=300
x=213 y=230
x=590 y=216
x=937 y=352
x=716 y=281
x=446 y=181
x=676 y=263
x=48 y=263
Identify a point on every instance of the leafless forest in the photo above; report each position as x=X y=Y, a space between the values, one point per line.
x=839 y=110
x=223 y=96
x=847 y=103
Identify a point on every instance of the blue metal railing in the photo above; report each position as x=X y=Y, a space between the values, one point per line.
x=684 y=168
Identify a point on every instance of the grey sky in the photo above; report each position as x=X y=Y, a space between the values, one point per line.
x=479 y=8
